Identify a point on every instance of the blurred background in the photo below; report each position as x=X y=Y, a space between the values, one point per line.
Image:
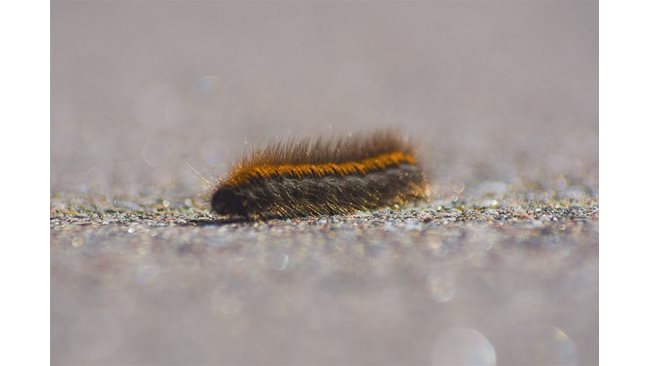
x=142 y=90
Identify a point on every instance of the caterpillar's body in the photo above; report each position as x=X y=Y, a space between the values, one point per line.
x=316 y=177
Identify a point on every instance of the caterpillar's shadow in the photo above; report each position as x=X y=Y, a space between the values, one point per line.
x=218 y=221
x=227 y=220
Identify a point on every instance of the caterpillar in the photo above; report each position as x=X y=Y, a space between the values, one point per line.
x=314 y=177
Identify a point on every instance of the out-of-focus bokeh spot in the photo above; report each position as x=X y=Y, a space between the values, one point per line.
x=546 y=344
x=441 y=286
x=463 y=347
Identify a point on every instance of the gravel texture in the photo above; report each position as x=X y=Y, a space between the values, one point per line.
x=167 y=283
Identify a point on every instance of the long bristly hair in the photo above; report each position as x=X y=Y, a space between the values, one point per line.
x=312 y=177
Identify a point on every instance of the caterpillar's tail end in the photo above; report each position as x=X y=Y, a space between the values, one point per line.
x=226 y=201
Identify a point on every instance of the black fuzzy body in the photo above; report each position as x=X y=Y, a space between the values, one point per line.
x=281 y=196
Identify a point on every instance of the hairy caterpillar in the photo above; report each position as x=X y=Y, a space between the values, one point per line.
x=322 y=177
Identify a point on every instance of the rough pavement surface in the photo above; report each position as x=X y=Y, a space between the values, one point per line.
x=172 y=285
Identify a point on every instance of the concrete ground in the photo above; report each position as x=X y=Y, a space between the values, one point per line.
x=444 y=284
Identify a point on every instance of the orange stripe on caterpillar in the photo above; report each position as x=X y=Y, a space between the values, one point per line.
x=363 y=167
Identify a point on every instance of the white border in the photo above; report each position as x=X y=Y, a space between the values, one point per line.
x=25 y=144
x=624 y=184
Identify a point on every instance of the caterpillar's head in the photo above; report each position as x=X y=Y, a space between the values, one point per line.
x=227 y=200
